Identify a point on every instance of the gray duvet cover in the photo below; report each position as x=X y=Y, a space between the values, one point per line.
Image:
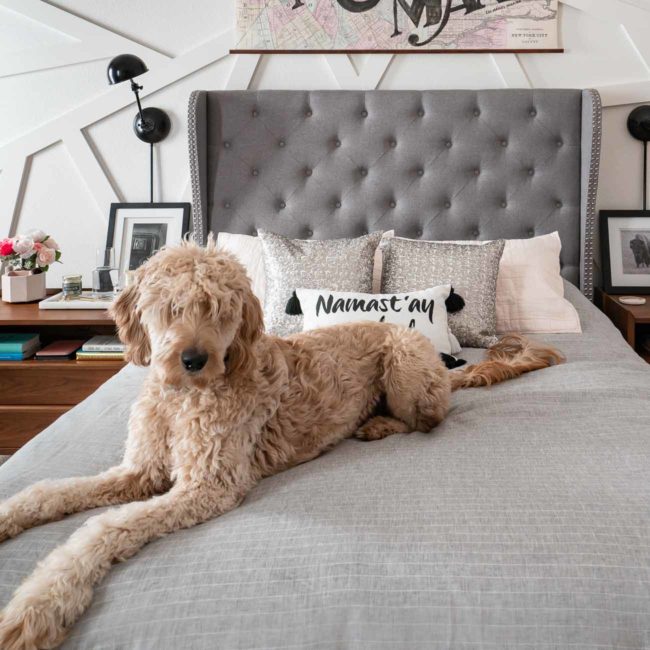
x=523 y=521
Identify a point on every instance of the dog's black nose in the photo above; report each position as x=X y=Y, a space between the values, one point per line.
x=193 y=360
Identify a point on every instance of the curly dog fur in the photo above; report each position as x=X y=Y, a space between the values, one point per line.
x=199 y=441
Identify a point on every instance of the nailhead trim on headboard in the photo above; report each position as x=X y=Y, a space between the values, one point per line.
x=592 y=194
x=197 y=207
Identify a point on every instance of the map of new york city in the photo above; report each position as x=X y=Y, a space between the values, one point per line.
x=304 y=25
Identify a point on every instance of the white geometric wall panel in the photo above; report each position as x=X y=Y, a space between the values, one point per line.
x=31 y=100
x=53 y=167
x=66 y=145
x=447 y=71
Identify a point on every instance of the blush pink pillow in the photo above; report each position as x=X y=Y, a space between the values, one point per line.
x=530 y=289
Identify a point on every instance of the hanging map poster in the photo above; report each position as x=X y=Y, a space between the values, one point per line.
x=396 y=25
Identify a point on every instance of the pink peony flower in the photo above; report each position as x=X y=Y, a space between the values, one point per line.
x=37 y=246
x=50 y=243
x=37 y=235
x=24 y=246
x=45 y=256
x=6 y=247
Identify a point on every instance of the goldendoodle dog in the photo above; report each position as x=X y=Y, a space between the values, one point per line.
x=223 y=406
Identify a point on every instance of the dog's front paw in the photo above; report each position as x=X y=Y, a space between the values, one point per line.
x=29 y=627
x=8 y=526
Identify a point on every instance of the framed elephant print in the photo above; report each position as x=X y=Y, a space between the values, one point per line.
x=625 y=244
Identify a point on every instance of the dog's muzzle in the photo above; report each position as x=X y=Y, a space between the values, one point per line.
x=193 y=360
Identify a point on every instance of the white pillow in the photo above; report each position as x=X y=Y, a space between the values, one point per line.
x=248 y=250
x=424 y=311
x=530 y=290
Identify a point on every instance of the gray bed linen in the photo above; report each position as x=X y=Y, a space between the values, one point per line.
x=523 y=521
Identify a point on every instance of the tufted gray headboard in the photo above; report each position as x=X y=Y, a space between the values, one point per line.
x=433 y=164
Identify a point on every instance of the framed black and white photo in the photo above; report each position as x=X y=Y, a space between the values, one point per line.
x=625 y=243
x=137 y=230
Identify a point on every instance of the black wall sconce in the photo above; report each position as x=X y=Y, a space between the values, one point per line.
x=151 y=124
x=638 y=123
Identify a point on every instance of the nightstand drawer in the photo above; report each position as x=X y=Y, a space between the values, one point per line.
x=52 y=382
x=19 y=424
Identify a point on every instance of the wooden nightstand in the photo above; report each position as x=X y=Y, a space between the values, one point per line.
x=35 y=393
x=632 y=320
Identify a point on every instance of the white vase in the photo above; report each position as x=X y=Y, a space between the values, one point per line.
x=23 y=286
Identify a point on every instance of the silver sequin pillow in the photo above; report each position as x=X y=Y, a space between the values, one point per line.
x=411 y=265
x=334 y=264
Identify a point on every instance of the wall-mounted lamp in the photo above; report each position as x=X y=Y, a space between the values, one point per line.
x=151 y=124
x=639 y=126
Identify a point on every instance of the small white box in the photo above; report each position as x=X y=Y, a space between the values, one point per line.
x=23 y=286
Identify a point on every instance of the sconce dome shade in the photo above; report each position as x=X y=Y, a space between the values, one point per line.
x=124 y=67
x=639 y=123
x=155 y=127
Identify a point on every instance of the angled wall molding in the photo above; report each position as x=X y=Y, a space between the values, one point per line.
x=118 y=97
x=511 y=71
x=366 y=78
x=243 y=71
x=12 y=185
x=92 y=42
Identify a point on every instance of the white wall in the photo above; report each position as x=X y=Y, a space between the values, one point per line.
x=66 y=145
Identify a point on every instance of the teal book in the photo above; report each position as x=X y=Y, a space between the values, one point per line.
x=14 y=356
x=18 y=342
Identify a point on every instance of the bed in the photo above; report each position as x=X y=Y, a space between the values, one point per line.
x=521 y=522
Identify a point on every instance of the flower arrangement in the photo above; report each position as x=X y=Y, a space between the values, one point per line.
x=33 y=251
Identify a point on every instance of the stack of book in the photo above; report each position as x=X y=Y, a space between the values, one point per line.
x=16 y=347
x=59 y=350
x=102 y=347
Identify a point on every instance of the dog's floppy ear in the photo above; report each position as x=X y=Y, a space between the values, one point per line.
x=240 y=353
x=129 y=328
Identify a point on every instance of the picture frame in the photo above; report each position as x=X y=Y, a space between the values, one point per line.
x=137 y=230
x=625 y=246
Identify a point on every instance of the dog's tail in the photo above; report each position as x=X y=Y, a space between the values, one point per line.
x=512 y=356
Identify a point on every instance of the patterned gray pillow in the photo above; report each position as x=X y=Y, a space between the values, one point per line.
x=472 y=269
x=333 y=264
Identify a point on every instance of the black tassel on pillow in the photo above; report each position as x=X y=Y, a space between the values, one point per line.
x=452 y=362
x=293 y=307
x=454 y=302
